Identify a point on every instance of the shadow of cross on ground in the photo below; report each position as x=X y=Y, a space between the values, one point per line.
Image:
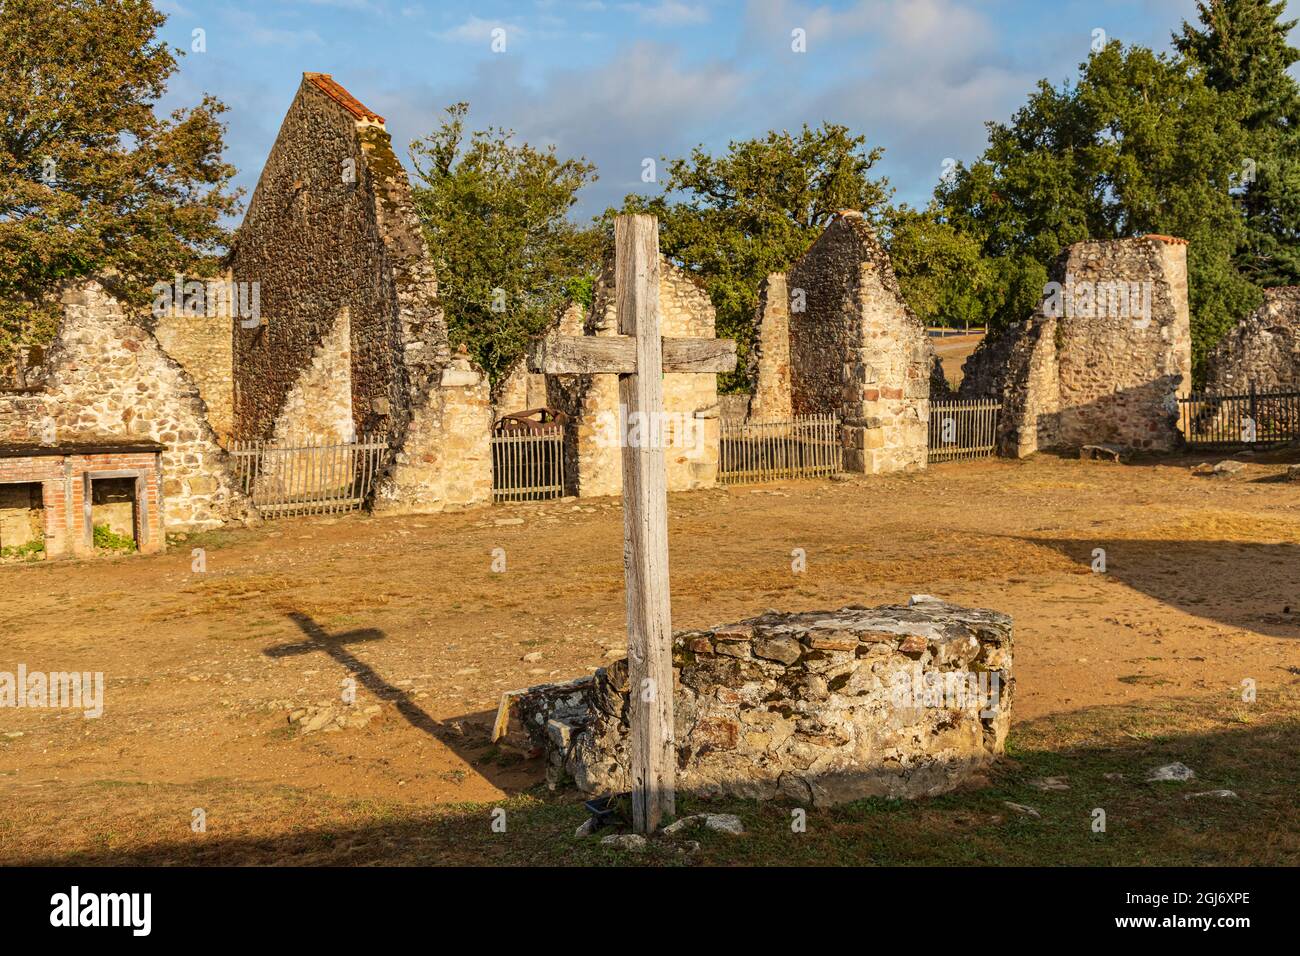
x=335 y=645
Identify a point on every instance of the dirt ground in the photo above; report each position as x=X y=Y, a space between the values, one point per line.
x=953 y=350
x=1201 y=591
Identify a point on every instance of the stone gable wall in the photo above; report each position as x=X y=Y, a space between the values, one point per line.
x=108 y=379
x=318 y=243
x=332 y=230
x=1263 y=348
x=857 y=350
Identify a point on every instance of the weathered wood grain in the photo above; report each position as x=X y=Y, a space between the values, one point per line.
x=645 y=526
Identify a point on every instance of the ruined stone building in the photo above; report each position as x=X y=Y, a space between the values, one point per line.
x=836 y=337
x=593 y=453
x=1263 y=349
x=200 y=341
x=351 y=338
x=1104 y=358
x=111 y=431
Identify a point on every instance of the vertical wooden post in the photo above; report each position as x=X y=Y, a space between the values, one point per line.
x=645 y=525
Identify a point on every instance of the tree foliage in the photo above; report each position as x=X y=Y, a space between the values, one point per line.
x=1138 y=145
x=494 y=213
x=92 y=180
x=941 y=271
x=1242 y=52
x=733 y=219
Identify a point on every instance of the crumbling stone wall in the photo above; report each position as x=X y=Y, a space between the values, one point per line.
x=593 y=463
x=820 y=707
x=1263 y=348
x=1017 y=366
x=445 y=461
x=203 y=345
x=107 y=379
x=770 y=357
x=332 y=230
x=856 y=349
x=1103 y=359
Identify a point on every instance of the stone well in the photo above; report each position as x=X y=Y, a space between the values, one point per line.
x=819 y=707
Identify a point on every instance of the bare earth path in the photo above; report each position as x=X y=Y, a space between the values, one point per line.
x=1201 y=591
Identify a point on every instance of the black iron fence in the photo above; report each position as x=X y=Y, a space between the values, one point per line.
x=1249 y=418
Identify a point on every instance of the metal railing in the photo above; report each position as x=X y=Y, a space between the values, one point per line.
x=808 y=446
x=963 y=429
x=1250 y=418
x=301 y=478
x=528 y=464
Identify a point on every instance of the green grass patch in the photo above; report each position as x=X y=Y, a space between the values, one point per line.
x=28 y=552
x=109 y=540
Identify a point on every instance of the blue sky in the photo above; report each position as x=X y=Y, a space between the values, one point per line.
x=620 y=81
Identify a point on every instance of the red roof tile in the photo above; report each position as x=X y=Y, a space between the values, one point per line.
x=326 y=84
x=1172 y=239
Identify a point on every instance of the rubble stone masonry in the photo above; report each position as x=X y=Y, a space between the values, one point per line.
x=332 y=235
x=106 y=380
x=1104 y=358
x=819 y=707
x=203 y=345
x=593 y=463
x=1262 y=349
x=857 y=350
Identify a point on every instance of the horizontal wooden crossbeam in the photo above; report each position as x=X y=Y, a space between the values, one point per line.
x=610 y=354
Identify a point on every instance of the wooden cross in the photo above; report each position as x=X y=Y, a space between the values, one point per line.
x=640 y=356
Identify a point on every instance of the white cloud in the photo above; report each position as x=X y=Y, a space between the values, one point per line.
x=643 y=101
x=478 y=30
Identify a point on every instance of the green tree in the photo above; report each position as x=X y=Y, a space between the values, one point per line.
x=494 y=212
x=733 y=219
x=1243 y=53
x=92 y=181
x=1138 y=145
x=942 y=273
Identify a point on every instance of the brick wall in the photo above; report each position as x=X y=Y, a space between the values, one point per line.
x=62 y=480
